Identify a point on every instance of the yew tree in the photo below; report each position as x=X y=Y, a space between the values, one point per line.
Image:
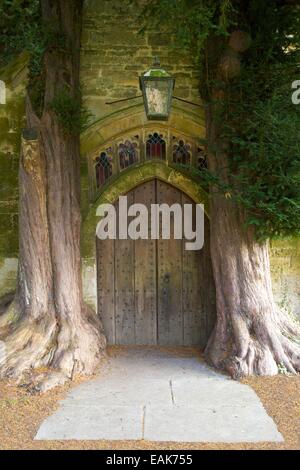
x=47 y=323
x=247 y=54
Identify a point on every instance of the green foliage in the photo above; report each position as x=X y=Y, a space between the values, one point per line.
x=255 y=117
x=264 y=148
x=191 y=21
x=261 y=124
x=282 y=369
x=20 y=30
x=72 y=116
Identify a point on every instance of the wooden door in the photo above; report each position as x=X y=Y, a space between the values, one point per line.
x=154 y=292
x=169 y=276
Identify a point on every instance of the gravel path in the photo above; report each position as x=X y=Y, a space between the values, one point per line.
x=21 y=416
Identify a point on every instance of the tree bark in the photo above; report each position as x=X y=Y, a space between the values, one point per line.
x=251 y=336
x=48 y=323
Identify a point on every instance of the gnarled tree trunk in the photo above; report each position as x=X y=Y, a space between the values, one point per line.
x=251 y=336
x=48 y=323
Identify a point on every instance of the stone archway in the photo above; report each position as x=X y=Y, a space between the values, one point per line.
x=129 y=180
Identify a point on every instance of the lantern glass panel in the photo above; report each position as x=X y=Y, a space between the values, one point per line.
x=158 y=96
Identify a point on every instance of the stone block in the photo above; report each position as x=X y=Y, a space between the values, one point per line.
x=197 y=423
x=160 y=39
x=8 y=275
x=93 y=423
x=89 y=280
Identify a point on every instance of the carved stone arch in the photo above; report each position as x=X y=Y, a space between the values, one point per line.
x=117 y=123
x=135 y=147
x=128 y=181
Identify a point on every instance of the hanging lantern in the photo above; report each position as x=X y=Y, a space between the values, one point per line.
x=157 y=87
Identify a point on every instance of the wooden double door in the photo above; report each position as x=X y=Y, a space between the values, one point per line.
x=155 y=292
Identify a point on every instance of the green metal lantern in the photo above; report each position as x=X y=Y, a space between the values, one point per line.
x=157 y=87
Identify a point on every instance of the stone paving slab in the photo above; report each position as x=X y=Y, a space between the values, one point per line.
x=212 y=391
x=162 y=367
x=132 y=392
x=156 y=395
x=215 y=424
x=93 y=423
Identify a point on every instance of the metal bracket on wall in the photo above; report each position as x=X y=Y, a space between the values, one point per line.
x=124 y=99
x=141 y=96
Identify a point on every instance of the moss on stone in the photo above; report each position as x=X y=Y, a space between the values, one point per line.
x=8 y=275
x=12 y=118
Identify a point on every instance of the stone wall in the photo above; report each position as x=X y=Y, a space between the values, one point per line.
x=285 y=266
x=11 y=123
x=114 y=54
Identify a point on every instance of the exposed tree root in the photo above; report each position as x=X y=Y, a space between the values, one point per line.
x=79 y=347
x=67 y=351
x=263 y=346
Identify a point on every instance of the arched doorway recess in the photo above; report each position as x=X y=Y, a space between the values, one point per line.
x=155 y=292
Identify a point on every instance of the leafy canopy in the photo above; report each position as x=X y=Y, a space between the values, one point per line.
x=21 y=31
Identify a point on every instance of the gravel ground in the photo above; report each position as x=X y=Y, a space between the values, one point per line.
x=21 y=415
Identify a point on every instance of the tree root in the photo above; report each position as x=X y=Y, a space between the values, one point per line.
x=67 y=350
x=45 y=381
x=27 y=347
x=257 y=347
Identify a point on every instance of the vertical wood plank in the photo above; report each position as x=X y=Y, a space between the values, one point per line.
x=145 y=275
x=124 y=287
x=209 y=289
x=198 y=291
x=169 y=259
x=193 y=290
x=106 y=288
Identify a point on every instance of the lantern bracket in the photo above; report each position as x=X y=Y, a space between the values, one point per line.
x=157 y=100
x=141 y=96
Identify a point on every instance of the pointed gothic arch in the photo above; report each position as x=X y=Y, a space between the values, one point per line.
x=126 y=182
